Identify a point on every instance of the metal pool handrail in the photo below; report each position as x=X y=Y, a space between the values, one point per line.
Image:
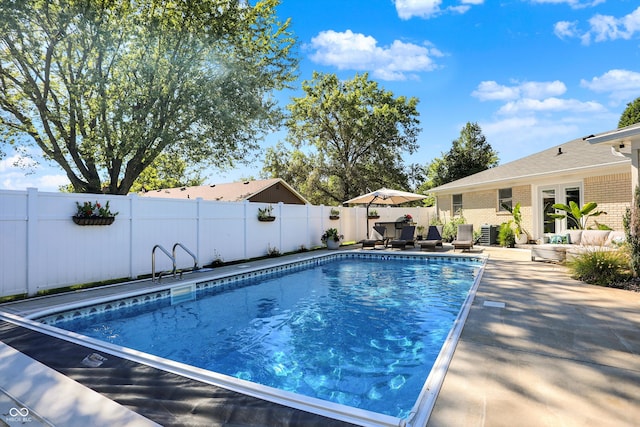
x=153 y=262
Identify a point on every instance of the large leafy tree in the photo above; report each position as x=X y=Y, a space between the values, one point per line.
x=104 y=87
x=631 y=114
x=347 y=138
x=167 y=173
x=469 y=154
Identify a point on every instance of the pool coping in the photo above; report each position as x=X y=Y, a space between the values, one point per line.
x=344 y=413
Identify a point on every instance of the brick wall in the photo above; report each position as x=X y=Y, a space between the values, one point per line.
x=613 y=195
x=481 y=207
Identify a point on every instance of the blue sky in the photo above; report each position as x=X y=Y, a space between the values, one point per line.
x=532 y=73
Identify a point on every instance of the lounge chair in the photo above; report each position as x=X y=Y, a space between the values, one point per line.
x=464 y=239
x=377 y=237
x=406 y=237
x=433 y=239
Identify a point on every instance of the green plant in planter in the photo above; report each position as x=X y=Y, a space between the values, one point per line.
x=517 y=219
x=576 y=216
x=334 y=212
x=373 y=212
x=265 y=213
x=331 y=234
x=506 y=235
x=94 y=210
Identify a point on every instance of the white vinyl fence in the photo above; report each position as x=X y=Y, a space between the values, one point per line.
x=42 y=248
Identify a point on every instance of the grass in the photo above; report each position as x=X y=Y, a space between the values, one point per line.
x=600 y=267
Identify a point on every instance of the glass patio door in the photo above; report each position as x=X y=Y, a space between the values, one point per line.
x=548 y=200
x=557 y=194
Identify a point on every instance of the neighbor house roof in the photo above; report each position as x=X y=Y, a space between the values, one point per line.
x=266 y=190
x=571 y=157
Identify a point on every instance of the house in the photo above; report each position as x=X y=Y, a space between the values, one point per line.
x=592 y=169
x=266 y=191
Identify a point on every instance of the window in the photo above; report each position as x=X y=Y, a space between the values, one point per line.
x=456 y=204
x=504 y=198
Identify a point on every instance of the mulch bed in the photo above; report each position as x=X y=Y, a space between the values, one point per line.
x=630 y=285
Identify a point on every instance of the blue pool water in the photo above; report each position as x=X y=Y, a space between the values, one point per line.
x=364 y=333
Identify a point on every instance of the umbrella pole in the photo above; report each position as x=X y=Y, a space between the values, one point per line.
x=369 y=204
x=367 y=221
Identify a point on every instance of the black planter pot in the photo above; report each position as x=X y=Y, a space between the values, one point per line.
x=98 y=220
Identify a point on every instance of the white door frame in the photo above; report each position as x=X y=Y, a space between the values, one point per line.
x=560 y=190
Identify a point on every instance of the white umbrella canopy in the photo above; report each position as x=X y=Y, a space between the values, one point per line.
x=385 y=196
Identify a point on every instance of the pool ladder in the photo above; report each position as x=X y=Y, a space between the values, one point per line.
x=172 y=257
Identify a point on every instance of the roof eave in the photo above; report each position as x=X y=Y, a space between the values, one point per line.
x=618 y=136
x=491 y=183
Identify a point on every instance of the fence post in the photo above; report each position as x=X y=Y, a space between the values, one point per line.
x=280 y=228
x=245 y=230
x=133 y=227
x=32 y=240
x=199 y=239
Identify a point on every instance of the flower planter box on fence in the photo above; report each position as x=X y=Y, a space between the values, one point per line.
x=93 y=220
x=334 y=216
x=266 y=218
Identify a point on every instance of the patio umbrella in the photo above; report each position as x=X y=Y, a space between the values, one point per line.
x=385 y=196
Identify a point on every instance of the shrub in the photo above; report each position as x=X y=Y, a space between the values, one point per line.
x=506 y=235
x=599 y=267
x=450 y=229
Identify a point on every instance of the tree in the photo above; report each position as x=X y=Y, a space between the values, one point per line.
x=631 y=114
x=355 y=133
x=166 y=172
x=104 y=88
x=469 y=154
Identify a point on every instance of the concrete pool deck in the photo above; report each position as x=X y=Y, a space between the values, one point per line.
x=558 y=352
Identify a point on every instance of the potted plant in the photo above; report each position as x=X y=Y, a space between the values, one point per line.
x=266 y=214
x=373 y=214
x=522 y=235
x=408 y=218
x=93 y=214
x=420 y=230
x=335 y=214
x=506 y=235
x=577 y=217
x=331 y=237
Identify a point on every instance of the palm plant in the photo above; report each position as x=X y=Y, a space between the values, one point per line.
x=577 y=217
x=517 y=219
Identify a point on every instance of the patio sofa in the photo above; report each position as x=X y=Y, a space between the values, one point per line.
x=561 y=247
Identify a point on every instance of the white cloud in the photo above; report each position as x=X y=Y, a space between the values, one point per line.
x=532 y=115
x=622 y=85
x=14 y=177
x=492 y=91
x=566 y=29
x=550 y=105
x=574 y=4
x=605 y=27
x=516 y=137
x=353 y=51
x=601 y=28
x=426 y=9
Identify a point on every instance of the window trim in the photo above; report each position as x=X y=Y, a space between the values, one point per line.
x=455 y=211
x=502 y=200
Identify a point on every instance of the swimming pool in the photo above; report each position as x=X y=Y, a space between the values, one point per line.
x=352 y=329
